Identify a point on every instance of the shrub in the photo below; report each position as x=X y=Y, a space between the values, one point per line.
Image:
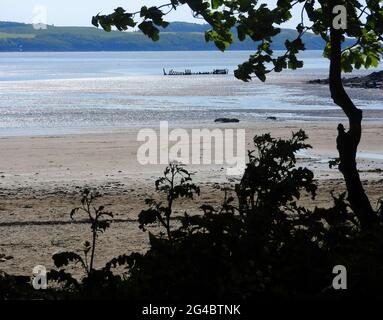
x=259 y=243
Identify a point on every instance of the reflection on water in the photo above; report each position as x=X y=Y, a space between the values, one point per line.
x=64 y=92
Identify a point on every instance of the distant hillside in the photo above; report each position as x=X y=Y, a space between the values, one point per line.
x=178 y=36
x=186 y=27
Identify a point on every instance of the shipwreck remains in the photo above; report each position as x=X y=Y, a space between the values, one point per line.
x=188 y=72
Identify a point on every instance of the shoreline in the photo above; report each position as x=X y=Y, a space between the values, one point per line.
x=371 y=118
x=101 y=154
x=41 y=177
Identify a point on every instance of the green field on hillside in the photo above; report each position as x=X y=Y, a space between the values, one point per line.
x=4 y=35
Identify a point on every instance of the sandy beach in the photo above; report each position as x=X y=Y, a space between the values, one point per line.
x=41 y=177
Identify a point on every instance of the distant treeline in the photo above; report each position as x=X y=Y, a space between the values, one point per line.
x=176 y=37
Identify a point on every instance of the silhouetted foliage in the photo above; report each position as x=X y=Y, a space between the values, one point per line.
x=267 y=246
x=230 y=251
x=271 y=178
x=98 y=225
x=260 y=243
x=176 y=183
x=16 y=287
x=95 y=283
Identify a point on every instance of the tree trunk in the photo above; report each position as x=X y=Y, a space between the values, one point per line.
x=347 y=142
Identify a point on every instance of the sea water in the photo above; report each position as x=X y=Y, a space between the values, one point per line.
x=54 y=93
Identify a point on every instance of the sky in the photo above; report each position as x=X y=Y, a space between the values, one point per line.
x=80 y=12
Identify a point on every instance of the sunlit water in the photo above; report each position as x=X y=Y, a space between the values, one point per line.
x=50 y=93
